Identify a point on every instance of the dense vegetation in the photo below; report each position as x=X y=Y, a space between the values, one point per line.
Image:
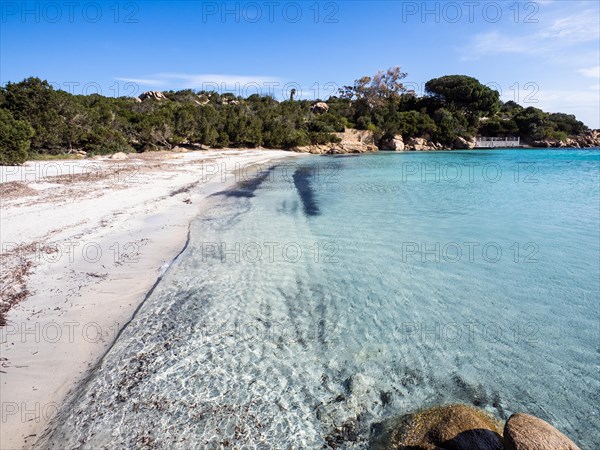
x=38 y=119
x=14 y=139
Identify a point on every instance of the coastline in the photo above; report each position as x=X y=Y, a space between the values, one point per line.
x=95 y=236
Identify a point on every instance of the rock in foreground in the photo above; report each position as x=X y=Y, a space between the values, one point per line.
x=455 y=427
x=525 y=432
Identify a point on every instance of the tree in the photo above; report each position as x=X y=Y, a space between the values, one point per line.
x=15 y=138
x=184 y=122
x=450 y=126
x=567 y=123
x=510 y=107
x=467 y=94
x=376 y=90
x=455 y=107
x=35 y=101
x=410 y=124
x=532 y=122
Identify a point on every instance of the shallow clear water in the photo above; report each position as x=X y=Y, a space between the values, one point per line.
x=337 y=292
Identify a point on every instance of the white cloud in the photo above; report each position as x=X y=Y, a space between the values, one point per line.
x=196 y=80
x=203 y=81
x=144 y=81
x=591 y=72
x=495 y=42
x=565 y=33
x=582 y=27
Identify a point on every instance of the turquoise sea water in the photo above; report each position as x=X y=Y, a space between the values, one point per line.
x=333 y=293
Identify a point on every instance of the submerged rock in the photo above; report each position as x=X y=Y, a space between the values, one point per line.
x=525 y=432
x=451 y=427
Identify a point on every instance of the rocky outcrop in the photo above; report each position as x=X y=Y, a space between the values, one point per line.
x=417 y=144
x=462 y=427
x=351 y=141
x=586 y=140
x=456 y=427
x=396 y=143
x=525 y=432
x=590 y=139
x=421 y=144
x=462 y=143
x=550 y=143
x=355 y=141
x=320 y=108
x=82 y=153
x=153 y=95
x=230 y=101
x=203 y=99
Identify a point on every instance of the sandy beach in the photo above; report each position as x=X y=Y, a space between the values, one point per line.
x=83 y=242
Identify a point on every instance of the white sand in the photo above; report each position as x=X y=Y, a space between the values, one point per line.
x=97 y=244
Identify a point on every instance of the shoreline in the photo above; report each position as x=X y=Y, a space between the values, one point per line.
x=96 y=243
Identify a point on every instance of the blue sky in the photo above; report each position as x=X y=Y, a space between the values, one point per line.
x=544 y=53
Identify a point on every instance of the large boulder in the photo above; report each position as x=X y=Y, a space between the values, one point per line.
x=355 y=141
x=396 y=143
x=351 y=141
x=420 y=144
x=545 y=143
x=320 y=108
x=462 y=143
x=154 y=95
x=455 y=427
x=525 y=432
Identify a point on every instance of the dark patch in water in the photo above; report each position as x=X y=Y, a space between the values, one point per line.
x=347 y=384
x=246 y=188
x=410 y=377
x=341 y=435
x=385 y=397
x=474 y=393
x=288 y=207
x=307 y=195
x=497 y=404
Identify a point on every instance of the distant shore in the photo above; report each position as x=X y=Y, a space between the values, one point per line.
x=83 y=241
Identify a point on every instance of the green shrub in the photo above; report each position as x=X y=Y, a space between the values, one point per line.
x=15 y=138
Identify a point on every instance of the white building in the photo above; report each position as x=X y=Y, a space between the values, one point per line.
x=496 y=142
